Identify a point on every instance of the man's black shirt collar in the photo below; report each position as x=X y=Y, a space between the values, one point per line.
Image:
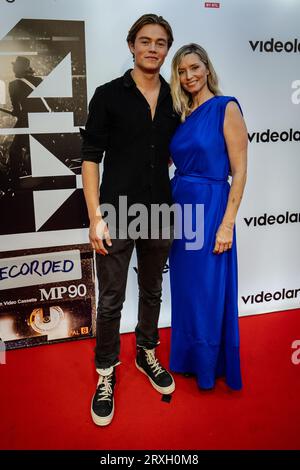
x=129 y=82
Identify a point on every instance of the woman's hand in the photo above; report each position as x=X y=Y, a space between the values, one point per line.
x=99 y=232
x=224 y=238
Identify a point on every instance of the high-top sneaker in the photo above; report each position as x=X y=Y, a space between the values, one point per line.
x=159 y=377
x=102 y=408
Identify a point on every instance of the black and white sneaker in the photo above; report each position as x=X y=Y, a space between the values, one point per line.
x=102 y=408
x=159 y=377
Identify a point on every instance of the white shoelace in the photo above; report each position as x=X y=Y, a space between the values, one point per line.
x=153 y=362
x=105 y=390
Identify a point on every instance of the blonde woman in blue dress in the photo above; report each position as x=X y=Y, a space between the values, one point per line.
x=210 y=144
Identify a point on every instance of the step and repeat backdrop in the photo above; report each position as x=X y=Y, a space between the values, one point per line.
x=70 y=47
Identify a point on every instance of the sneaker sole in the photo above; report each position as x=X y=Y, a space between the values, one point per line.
x=164 y=390
x=102 y=420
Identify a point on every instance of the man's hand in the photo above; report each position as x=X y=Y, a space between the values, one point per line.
x=99 y=232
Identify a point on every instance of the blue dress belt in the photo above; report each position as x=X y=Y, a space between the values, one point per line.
x=194 y=178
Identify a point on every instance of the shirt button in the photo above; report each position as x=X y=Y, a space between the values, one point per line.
x=152 y=146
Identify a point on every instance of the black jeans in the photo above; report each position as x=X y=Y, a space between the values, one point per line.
x=112 y=271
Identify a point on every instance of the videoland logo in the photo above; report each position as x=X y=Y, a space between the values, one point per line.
x=275 y=46
x=278 y=295
x=290 y=135
x=265 y=219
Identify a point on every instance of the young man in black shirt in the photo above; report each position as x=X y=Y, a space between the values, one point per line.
x=131 y=120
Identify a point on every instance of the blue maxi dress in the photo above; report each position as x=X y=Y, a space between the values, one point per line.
x=205 y=334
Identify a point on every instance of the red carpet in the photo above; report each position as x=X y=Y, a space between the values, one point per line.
x=46 y=391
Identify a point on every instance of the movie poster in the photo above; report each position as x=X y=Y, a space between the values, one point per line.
x=46 y=295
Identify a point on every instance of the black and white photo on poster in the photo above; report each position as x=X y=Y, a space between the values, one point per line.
x=43 y=84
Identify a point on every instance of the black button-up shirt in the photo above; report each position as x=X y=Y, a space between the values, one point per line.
x=136 y=147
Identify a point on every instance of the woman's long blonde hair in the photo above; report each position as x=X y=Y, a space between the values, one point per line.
x=182 y=100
